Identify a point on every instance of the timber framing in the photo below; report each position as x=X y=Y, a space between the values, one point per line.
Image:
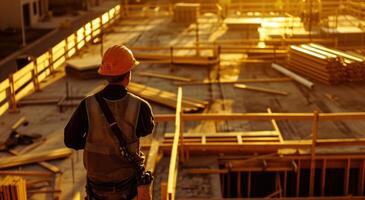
x=273 y=153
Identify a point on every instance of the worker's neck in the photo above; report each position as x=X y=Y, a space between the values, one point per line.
x=121 y=84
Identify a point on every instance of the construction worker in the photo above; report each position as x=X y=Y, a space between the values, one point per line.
x=109 y=175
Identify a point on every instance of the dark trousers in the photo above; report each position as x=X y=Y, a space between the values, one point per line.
x=126 y=190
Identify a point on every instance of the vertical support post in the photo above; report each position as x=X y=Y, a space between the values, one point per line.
x=11 y=91
x=75 y=41
x=35 y=76
x=179 y=112
x=249 y=184
x=66 y=49
x=313 y=152
x=275 y=126
x=347 y=177
x=323 y=181
x=361 y=178
x=35 y=81
x=297 y=189
x=163 y=190
x=239 y=185
x=174 y=158
x=50 y=61
x=285 y=183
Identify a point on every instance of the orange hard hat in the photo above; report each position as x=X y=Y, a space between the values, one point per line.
x=117 y=60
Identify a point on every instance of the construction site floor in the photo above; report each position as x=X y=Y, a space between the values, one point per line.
x=224 y=98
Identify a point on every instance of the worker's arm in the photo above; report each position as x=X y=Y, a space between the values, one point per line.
x=145 y=122
x=76 y=129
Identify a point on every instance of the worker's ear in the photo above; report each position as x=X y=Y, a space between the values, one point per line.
x=126 y=79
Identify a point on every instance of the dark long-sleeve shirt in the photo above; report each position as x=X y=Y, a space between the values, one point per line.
x=76 y=130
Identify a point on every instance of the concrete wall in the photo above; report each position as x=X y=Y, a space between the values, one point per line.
x=10 y=12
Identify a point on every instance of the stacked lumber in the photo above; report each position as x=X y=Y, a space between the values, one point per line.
x=354 y=65
x=186 y=12
x=13 y=188
x=166 y=98
x=326 y=65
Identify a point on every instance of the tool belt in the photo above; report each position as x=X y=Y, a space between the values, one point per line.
x=94 y=190
x=110 y=187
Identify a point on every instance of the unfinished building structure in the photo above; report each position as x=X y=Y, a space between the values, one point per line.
x=13 y=12
x=265 y=101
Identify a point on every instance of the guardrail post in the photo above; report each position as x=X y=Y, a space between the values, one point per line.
x=76 y=44
x=35 y=81
x=35 y=76
x=50 y=60
x=66 y=48
x=84 y=34
x=313 y=152
x=11 y=94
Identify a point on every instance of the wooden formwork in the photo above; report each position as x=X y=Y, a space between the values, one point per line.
x=272 y=152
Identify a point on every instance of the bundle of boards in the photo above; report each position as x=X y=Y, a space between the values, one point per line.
x=326 y=65
x=13 y=188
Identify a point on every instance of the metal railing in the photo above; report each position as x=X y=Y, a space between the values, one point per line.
x=27 y=79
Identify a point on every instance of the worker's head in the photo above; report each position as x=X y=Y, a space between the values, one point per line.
x=117 y=63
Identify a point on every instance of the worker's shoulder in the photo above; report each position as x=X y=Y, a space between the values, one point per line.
x=143 y=101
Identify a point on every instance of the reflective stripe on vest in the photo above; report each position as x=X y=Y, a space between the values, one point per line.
x=102 y=158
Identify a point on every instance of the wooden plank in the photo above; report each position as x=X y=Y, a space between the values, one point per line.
x=34 y=157
x=229 y=134
x=361 y=178
x=153 y=155
x=275 y=126
x=259 y=89
x=297 y=188
x=239 y=185
x=163 y=97
x=249 y=185
x=43 y=164
x=25 y=173
x=174 y=158
x=323 y=179
x=258 y=80
x=313 y=153
x=164 y=76
x=264 y=116
x=347 y=177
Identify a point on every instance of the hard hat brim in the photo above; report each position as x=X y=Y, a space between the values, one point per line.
x=120 y=73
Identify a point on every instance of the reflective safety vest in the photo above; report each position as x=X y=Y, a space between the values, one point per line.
x=102 y=158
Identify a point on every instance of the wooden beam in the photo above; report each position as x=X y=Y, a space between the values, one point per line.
x=174 y=158
x=275 y=126
x=347 y=177
x=297 y=188
x=25 y=173
x=313 y=153
x=323 y=179
x=43 y=164
x=259 y=89
x=166 y=98
x=264 y=116
x=361 y=178
x=153 y=155
x=249 y=184
x=34 y=157
x=164 y=76
x=258 y=80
